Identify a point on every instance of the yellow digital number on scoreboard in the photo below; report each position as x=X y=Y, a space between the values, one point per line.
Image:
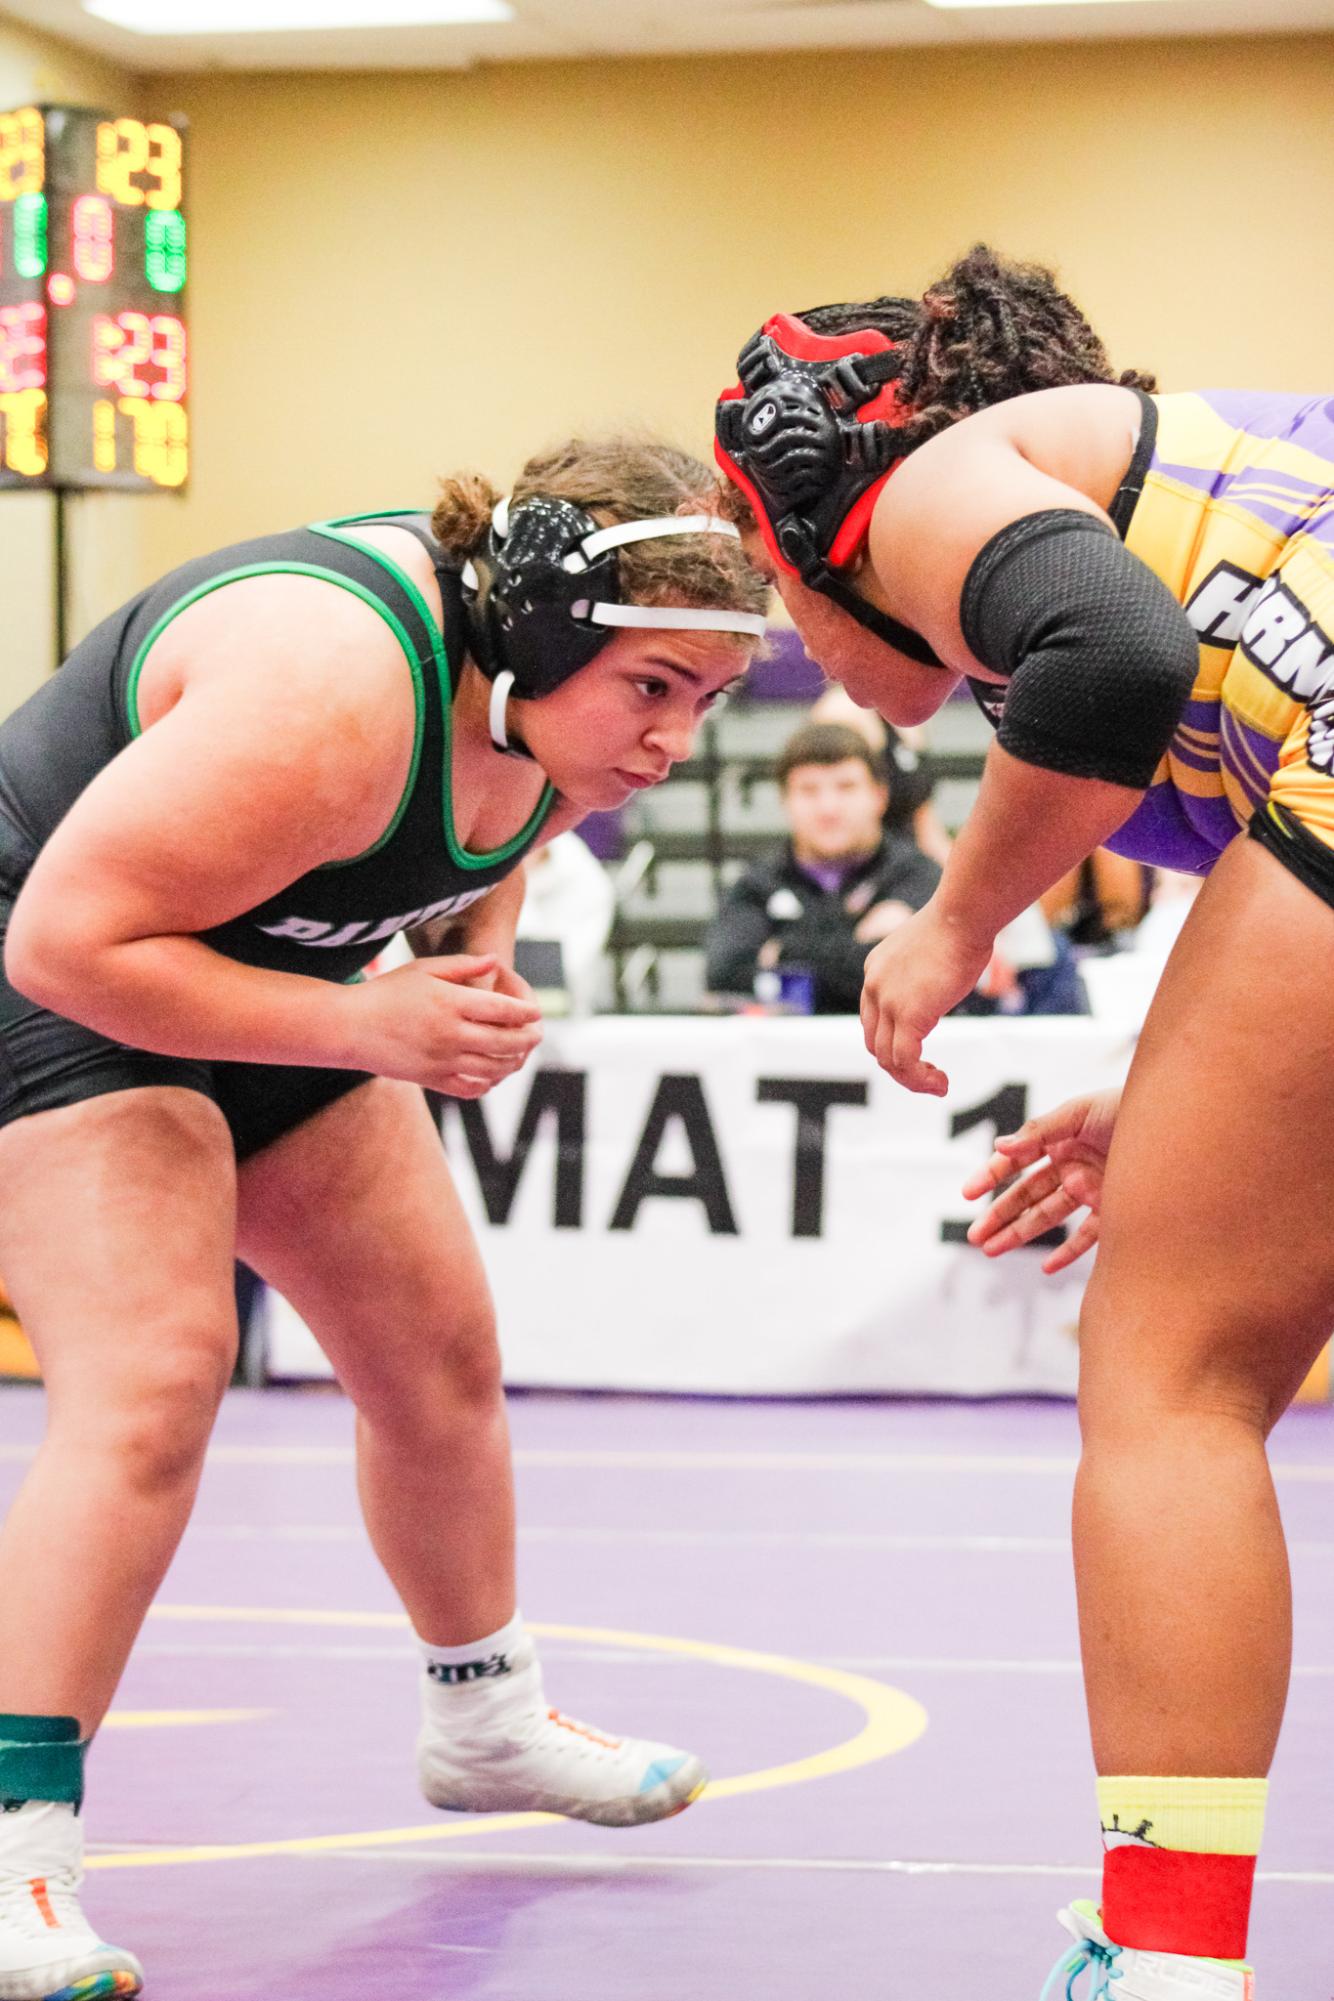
x=23 y=432
x=161 y=438
x=22 y=153
x=125 y=148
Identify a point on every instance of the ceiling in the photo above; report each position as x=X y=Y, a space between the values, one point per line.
x=579 y=29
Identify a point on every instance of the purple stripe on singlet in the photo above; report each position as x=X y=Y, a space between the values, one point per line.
x=1269 y=475
x=1289 y=482
x=1198 y=760
x=1196 y=740
x=1204 y=479
x=1201 y=713
x=1262 y=415
x=1287 y=520
x=1251 y=756
x=1234 y=487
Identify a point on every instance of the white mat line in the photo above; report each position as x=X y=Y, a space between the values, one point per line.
x=851 y=1462
x=695 y=1462
x=750 y=1462
x=535 y=1862
x=778 y=1539
x=618 y=1657
x=922 y=1664
x=679 y=1538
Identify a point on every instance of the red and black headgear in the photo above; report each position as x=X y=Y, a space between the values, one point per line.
x=810 y=434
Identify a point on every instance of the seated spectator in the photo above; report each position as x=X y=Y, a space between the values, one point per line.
x=908 y=766
x=1032 y=970
x=839 y=884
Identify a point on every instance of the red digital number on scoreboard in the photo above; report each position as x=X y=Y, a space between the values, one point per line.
x=22 y=347
x=135 y=342
x=92 y=234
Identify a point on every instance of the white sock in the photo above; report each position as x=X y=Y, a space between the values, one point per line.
x=40 y=1838
x=487 y=1694
x=488 y=1659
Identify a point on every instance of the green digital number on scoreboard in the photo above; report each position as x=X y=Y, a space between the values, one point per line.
x=94 y=359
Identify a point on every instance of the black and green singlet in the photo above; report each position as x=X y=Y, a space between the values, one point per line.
x=332 y=921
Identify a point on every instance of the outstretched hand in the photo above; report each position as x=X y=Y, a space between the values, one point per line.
x=912 y=978
x=1065 y=1153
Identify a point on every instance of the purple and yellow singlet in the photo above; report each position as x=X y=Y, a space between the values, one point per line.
x=1236 y=517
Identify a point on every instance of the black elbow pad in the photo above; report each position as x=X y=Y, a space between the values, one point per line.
x=1100 y=657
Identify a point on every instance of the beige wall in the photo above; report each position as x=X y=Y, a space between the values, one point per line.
x=105 y=542
x=450 y=268
x=36 y=68
x=399 y=273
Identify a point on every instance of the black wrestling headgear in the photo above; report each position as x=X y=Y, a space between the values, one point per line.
x=544 y=596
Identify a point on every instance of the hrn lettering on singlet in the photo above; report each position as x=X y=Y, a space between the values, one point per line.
x=1281 y=637
x=1273 y=628
x=367 y=931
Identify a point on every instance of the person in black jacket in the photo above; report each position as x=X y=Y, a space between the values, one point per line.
x=840 y=883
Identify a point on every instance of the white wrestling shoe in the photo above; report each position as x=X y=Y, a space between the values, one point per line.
x=489 y=1744
x=48 y=1949
x=1126 y=1973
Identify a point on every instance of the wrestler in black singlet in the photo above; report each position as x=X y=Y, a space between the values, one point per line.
x=332 y=921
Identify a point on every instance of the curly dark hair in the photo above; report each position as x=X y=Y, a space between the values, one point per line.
x=986 y=331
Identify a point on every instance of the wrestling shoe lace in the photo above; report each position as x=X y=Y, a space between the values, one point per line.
x=1136 y=1973
x=1088 y=1954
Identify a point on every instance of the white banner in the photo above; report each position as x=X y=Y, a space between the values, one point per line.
x=749 y=1206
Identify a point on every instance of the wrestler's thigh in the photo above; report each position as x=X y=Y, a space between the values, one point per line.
x=1215 y=1272
x=354 y=1217
x=116 y=1242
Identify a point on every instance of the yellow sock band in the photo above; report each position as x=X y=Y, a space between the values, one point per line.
x=1200 y=1816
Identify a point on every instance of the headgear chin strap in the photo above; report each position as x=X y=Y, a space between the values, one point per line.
x=810 y=435
x=544 y=597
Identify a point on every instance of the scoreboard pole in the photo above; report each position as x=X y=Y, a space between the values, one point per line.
x=61 y=577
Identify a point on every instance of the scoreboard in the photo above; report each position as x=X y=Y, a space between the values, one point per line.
x=94 y=355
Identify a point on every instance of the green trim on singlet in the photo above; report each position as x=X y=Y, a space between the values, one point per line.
x=461 y=856
x=324 y=576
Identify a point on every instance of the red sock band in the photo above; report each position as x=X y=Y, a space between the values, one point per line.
x=1165 y=1900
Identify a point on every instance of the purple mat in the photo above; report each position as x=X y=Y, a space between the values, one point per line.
x=922 y=1547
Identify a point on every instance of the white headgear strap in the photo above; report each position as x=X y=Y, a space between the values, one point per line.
x=662 y=618
x=500 y=696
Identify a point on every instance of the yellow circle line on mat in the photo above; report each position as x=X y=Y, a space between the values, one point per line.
x=177 y=1719
x=891 y=1721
